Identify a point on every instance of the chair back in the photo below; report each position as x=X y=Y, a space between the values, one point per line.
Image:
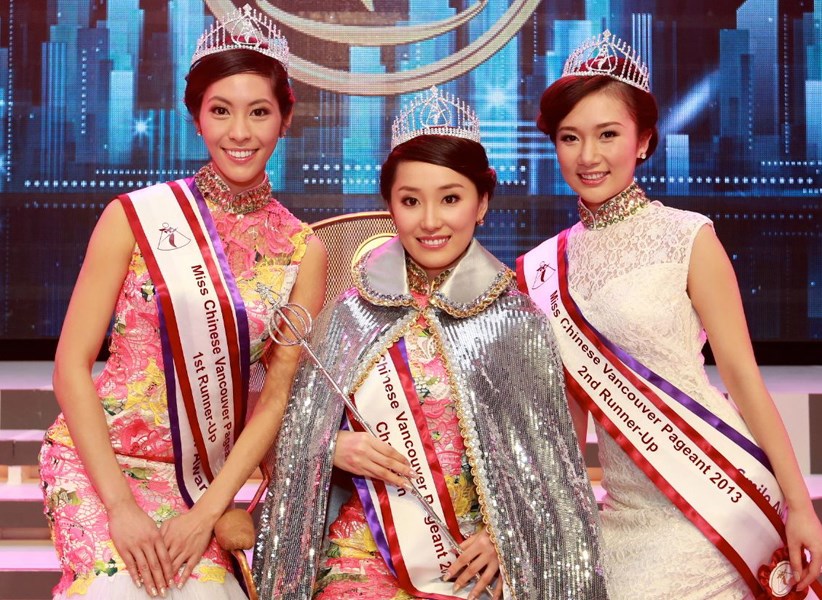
x=347 y=237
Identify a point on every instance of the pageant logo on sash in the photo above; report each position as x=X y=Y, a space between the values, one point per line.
x=171 y=238
x=781 y=579
x=777 y=578
x=544 y=273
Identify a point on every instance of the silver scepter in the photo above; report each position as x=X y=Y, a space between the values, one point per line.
x=294 y=327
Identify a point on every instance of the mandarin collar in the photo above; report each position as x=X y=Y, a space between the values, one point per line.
x=215 y=190
x=479 y=278
x=628 y=202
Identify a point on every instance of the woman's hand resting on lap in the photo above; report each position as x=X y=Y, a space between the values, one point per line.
x=478 y=557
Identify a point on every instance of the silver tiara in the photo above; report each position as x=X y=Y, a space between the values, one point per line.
x=600 y=56
x=244 y=28
x=435 y=113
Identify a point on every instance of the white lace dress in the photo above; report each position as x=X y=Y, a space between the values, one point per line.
x=630 y=281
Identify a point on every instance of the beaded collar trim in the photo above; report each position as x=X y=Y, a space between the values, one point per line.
x=418 y=280
x=617 y=209
x=215 y=190
x=463 y=291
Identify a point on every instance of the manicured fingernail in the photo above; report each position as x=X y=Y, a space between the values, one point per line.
x=163 y=592
x=154 y=592
x=457 y=587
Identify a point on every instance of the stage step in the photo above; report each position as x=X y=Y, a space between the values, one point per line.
x=28 y=564
x=20 y=446
x=28 y=497
x=28 y=570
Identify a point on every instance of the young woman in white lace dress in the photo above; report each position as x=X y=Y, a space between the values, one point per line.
x=649 y=283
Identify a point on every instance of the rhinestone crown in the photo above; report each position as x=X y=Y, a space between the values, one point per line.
x=244 y=28
x=435 y=113
x=600 y=55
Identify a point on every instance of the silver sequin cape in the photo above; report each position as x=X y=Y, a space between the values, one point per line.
x=508 y=386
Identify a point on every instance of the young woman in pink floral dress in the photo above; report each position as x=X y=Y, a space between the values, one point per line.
x=146 y=457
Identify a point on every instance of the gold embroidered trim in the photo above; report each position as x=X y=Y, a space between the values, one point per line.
x=361 y=283
x=503 y=282
x=469 y=438
x=379 y=347
x=418 y=279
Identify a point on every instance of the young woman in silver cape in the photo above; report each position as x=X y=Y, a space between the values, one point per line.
x=458 y=374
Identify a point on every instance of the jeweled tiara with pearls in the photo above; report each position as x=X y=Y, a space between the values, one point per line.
x=600 y=56
x=244 y=28
x=435 y=113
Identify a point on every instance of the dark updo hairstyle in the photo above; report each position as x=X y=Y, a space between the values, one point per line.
x=562 y=96
x=466 y=157
x=220 y=65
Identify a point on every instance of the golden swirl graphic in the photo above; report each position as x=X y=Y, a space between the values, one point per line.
x=389 y=84
x=364 y=35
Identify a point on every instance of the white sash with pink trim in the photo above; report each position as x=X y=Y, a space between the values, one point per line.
x=203 y=327
x=411 y=544
x=716 y=476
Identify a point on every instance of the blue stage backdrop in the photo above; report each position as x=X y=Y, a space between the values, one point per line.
x=90 y=107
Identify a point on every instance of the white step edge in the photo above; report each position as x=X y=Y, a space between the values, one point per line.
x=22 y=435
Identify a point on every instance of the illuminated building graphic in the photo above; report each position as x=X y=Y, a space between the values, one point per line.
x=91 y=106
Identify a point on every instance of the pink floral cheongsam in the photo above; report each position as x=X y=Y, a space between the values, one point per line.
x=264 y=244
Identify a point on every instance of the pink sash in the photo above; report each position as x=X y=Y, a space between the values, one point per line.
x=203 y=327
x=717 y=477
